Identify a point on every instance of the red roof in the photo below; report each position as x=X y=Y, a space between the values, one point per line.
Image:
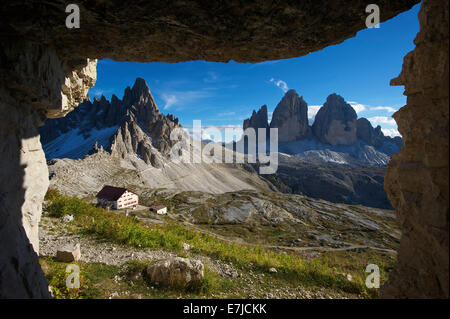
x=111 y=193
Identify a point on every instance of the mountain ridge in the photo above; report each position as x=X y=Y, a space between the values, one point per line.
x=336 y=125
x=127 y=143
x=137 y=110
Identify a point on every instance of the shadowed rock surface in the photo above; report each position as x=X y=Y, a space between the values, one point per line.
x=257 y=120
x=417 y=177
x=290 y=117
x=334 y=182
x=335 y=123
x=191 y=30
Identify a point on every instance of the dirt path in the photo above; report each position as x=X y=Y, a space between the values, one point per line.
x=295 y=249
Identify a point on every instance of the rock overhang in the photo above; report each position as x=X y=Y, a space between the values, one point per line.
x=191 y=30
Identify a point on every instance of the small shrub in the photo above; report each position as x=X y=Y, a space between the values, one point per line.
x=52 y=194
x=64 y=205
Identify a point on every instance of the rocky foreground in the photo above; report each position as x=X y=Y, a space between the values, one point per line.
x=340 y=237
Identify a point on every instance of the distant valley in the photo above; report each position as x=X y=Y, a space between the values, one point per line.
x=340 y=158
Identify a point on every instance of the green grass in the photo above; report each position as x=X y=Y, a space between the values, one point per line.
x=131 y=232
x=97 y=281
x=93 y=278
x=211 y=284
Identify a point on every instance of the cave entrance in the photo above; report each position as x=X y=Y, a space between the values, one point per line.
x=46 y=73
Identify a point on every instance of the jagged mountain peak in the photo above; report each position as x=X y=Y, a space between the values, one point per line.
x=259 y=119
x=291 y=118
x=334 y=97
x=136 y=116
x=114 y=98
x=140 y=85
x=335 y=122
x=291 y=97
x=290 y=92
x=336 y=126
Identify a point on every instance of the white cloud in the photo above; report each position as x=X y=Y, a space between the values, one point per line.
x=392 y=132
x=209 y=130
x=211 y=77
x=99 y=92
x=312 y=111
x=388 y=109
x=281 y=84
x=226 y=114
x=376 y=120
x=358 y=107
x=169 y=100
x=180 y=98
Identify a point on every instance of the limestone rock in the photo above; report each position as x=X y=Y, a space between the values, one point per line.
x=257 y=120
x=32 y=75
x=191 y=30
x=367 y=133
x=31 y=84
x=417 y=177
x=68 y=253
x=335 y=123
x=67 y=218
x=131 y=139
x=291 y=118
x=133 y=125
x=76 y=85
x=176 y=272
x=374 y=136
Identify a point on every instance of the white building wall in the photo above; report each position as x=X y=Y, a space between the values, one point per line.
x=128 y=199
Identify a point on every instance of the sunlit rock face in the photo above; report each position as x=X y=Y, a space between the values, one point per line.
x=35 y=83
x=417 y=177
x=335 y=123
x=23 y=183
x=133 y=125
x=290 y=117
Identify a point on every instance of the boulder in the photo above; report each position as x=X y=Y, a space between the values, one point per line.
x=68 y=253
x=176 y=272
x=67 y=218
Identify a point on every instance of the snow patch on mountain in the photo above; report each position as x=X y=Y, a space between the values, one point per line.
x=75 y=144
x=358 y=153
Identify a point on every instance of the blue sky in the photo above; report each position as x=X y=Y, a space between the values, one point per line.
x=224 y=94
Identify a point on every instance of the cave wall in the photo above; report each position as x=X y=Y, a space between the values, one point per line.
x=417 y=177
x=24 y=181
x=35 y=84
x=47 y=69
